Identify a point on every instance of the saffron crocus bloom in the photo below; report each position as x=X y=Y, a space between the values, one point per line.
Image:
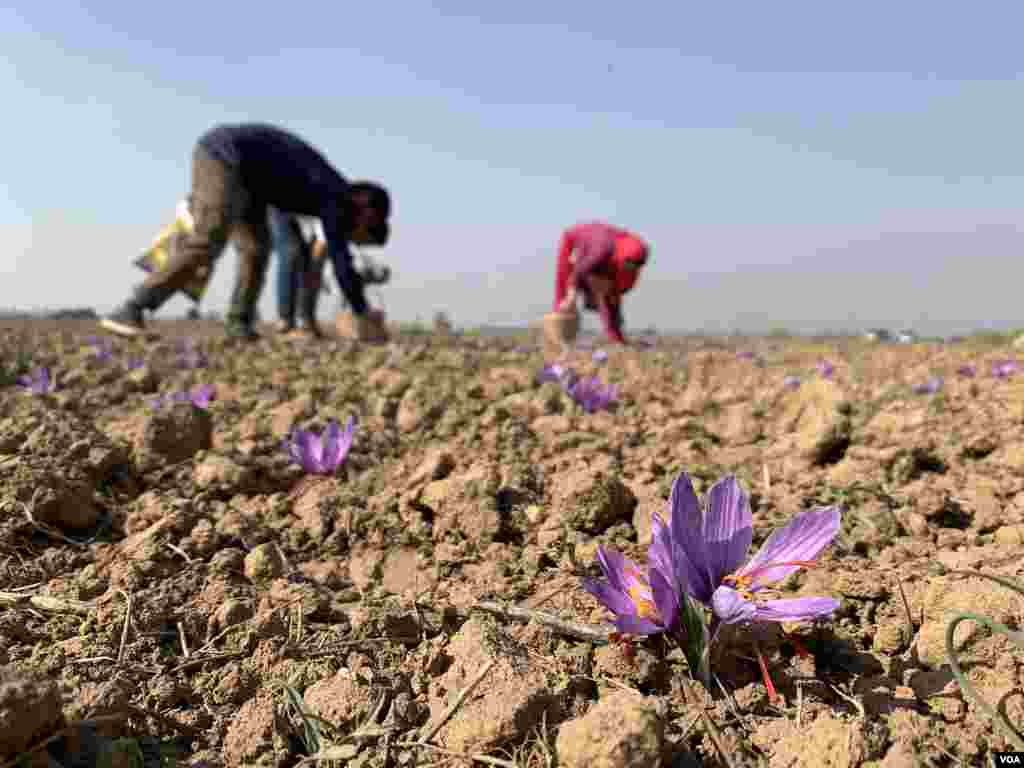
x=102 y=347
x=592 y=395
x=930 y=387
x=712 y=544
x=38 y=382
x=967 y=370
x=199 y=396
x=190 y=356
x=322 y=455
x=791 y=382
x=825 y=368
x=745 y=355
x=558 y=373
x=1004 y=369
x=600 y=356
x=655 y=602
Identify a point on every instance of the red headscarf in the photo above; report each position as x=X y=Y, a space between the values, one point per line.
x=629 y=257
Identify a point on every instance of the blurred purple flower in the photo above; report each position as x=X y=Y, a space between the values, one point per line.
x=929 y=387
x=199 y=396
x=967 y=370
x=711 y=545
x=38 y=382
x=825 y=368
x=557 y=373
x=190 y=356
x=134 y=363
x=1004 y=369
x=642 y=343
x=600 y=356
x=745 y=354
x=520 y=348
x=102 y=346
x=591 y=395
x=791 y=382
x=321 y=455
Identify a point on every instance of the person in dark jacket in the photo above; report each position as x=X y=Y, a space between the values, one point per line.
x=237 y=172
x=300 y=245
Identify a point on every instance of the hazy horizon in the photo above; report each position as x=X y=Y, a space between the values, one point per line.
x=801 y=167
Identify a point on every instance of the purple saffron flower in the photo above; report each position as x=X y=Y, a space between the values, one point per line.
x=791 y=382
x=38 y=382
x=745 y=354
x=628 y=594
x=930 y=387
x=967 y=370
x=558 y=373
x=199 y=396
x=321 y=455
x=600 y=356
x=135 y=363
x=825 y=368
x=642 y=343
x=190 y=356
x=1004 y=369
x=102 y=346
x=592 y=395
x=711 y=543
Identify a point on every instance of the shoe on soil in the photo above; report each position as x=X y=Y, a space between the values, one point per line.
x=283 y=326
x=126 y=320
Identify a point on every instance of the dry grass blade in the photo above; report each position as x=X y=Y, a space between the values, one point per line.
x=127 y=623
x=44 y=603
x=573 y=629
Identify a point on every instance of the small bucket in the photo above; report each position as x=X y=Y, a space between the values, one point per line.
x=368 y=327
x=560 y=331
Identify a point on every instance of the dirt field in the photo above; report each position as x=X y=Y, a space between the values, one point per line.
x=173 y=588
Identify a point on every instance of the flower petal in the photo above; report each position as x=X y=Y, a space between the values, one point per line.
x=731 y=607
x=311 y=450
x=634 y=625
x=802 y=538
x=331 y=440
x=795 y=609
x=728 y=528
x=666 y=599
x=611 y=598
x=688 y=554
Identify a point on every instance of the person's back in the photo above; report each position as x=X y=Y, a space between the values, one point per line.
x=289 y=173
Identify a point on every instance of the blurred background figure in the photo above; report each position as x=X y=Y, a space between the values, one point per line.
x=602 y=263
x=301 y=249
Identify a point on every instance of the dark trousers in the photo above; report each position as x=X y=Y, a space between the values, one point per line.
x=223 y=209
x=298 y=271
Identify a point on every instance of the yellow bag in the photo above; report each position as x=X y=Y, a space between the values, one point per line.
x=158 y=255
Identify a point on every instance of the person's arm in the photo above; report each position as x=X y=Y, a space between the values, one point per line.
x=611 y=318
x=349 y=280
x=564 y=283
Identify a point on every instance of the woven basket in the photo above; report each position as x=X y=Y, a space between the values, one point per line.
x=560 y=331
x=361 y=328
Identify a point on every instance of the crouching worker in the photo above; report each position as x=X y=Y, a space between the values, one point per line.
x=602 y=263
x=237 y=172
x=300 y=245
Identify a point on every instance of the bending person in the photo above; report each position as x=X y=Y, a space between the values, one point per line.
x=237 y=172
x=602 y=263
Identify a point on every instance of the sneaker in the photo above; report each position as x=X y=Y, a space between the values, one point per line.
x=242 y=331
x=283 y=326
x=127 y=320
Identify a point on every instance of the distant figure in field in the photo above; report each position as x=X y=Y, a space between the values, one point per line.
x=237 y=172
x=603 y=263
x=301 y=247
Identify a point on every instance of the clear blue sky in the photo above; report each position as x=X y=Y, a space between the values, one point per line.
x=801 y=164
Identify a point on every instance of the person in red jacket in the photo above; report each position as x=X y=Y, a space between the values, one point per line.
x=603 y=263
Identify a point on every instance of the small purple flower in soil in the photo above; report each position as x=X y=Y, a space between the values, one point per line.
x=190 y=356
x=711 y=543
x=323 y=454
x=591 y=395
x=1004 y=369
x=745 y=354
x=642 y=343
x=929 y=387
x=967 y=370
x=825 y=368
x=791 y=382
x=102 y=346
x=600 y=356
x=199 y=396
x=38 y=382
x=558 y=373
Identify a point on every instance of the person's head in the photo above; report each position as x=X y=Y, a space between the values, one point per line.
x=631 y=255
x=369 y=212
